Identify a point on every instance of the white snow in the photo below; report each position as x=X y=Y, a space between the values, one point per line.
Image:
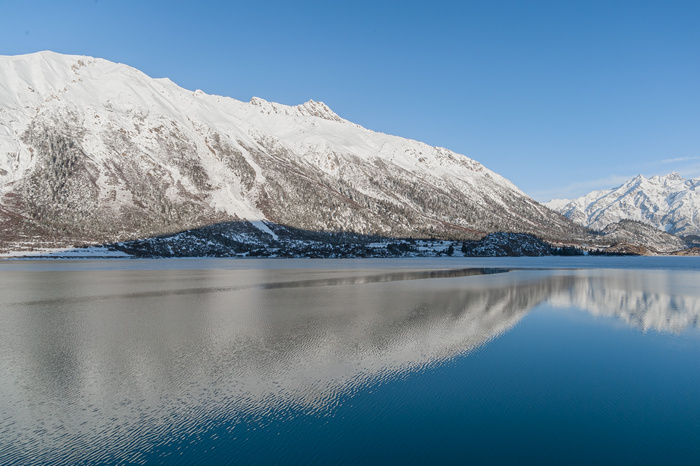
x=670 y=203
x=260 y=225
x=104 y=97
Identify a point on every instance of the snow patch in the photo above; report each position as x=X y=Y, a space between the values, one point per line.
x=260 y=225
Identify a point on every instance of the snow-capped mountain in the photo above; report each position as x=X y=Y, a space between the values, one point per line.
x=670 y=203
x=98 y=151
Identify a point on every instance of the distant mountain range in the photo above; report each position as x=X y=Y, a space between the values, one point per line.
x=669 y=203
x=97 y=152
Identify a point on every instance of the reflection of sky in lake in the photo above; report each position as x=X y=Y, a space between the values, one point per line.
x=111 y=365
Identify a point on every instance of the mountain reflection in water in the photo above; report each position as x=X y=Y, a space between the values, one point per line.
x=101 y=366
x=644 y=300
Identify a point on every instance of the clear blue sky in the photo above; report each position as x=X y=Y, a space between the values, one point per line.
x=561 y=97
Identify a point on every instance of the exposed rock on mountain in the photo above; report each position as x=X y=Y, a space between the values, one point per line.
x=670 y=203
x=694 y=251
x=97 y=151
x=641 y=238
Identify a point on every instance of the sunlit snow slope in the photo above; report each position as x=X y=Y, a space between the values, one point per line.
x=670 y=203
x=95 y=150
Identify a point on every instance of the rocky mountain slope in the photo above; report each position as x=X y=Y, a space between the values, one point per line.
x=670 y=203
x=97 y=151
x=633 y=237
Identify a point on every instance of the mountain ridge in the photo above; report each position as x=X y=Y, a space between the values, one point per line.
x=98 y=152
x=670 y=203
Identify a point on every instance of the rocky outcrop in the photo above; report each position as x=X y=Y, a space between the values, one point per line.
x=639 y=238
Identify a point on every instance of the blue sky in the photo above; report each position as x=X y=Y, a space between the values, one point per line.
x=560 y=97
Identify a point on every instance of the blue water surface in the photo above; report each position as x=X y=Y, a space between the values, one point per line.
x=370 y=362
x=558 y=388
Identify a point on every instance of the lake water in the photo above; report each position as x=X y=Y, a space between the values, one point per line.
x=566 y=360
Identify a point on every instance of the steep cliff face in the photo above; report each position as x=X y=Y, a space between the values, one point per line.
x=97 y=151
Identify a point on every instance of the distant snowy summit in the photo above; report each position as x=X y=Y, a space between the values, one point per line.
x=670 y=203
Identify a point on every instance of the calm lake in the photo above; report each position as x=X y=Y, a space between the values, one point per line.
x=448 y=360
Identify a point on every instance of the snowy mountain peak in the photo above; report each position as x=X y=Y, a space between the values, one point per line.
x=95 y=150
x=318 y=109
x=674 y=176
x=556 y=204
x=310 y=108
x=667 y=180
x=668 y=202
